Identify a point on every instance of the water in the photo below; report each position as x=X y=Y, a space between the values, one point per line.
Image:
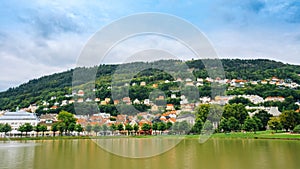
x=188 y=154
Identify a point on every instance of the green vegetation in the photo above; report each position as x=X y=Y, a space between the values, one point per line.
x=59 y=85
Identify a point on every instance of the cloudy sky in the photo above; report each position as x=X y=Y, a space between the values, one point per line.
x=42 y=37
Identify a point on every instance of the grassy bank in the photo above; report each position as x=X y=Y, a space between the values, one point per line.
x=233 y=135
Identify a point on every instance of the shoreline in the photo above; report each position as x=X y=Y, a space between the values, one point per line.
x=234 y=135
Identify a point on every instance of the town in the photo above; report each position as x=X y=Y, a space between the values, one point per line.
x=161 y=117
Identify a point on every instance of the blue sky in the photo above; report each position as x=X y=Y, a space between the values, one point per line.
x=43 y=37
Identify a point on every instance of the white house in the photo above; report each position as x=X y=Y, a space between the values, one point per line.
x=16 y=119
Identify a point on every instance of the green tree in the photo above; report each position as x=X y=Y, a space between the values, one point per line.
x=175 y=127
x=37 y=129
x=155 y=127
x=264 y=116
x=197 y=126
x=71 y=127
x=120 y=127
x=161 y=126
x=135 y=128
x=43 y=129
x=146 y=127
x=169 y=125
x=250 y=125
x=275 y=124
x=61 y=127
x=128 y=127
x=289 y=119
x=96 y=129
x=104 y=128
x=223 y=126
x=88 y=128
x=54 y=128
x=5 y=128
x=27 y=127
x=184 y=127
x=233 y=124
x=297 y=129
x=21 y=129
x=78 y=128
x=207 y=126
x=68 y=119
x=113 y=128
x=237 y=111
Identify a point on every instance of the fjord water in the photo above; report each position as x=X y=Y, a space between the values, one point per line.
x=188 y=154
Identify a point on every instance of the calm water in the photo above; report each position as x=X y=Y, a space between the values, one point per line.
x=188 y=154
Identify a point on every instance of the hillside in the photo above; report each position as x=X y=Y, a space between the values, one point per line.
x=58 y=86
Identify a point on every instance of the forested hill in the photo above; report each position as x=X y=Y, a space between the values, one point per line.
x=59 y=84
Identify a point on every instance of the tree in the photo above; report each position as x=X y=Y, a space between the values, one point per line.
x=289 y=119
x=113 y=128
x=275 y=124
x=128 y=127
x=241 y=100
x=104 y=128
x=184 y=127
x=5 y=128
x=71 y=127
x=43 y=128
x=88 y=128
x=169 y=125
x=146 y=127
x=161 y=126
x=68 y=119
x=250 y=125
x=237 y=111
x=264 y=116
x=224 y=125
x=21 y=129
x=197 y=126
x=297 y=129
x=27 y=127
x=96 y=128
x=54 y=128
x=135 y=128
x=175 y=127
x=61 y=127
x=37 y=129
x=120 y=127
x=155 y=127
x=233 y=124
x=207 y=126
x=78 y=128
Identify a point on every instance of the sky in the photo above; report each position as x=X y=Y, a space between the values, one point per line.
x=39 y=38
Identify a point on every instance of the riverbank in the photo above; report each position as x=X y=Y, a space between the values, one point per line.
x=232 y=135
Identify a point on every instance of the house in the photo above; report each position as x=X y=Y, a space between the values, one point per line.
x=170 y=107
x=274 y=111
x=147 y=101
x=80 y=100
x=136 y=101
x=190 y=118
x=155 y=85
x=126 y=100
x=107 y=100
x=97 y=100
x=80 y=93
x=16 y=119
x=173 y=96
x=143 y=84
x=116 y=102
x=274 y=99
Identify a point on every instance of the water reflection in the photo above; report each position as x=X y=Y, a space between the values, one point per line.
x=214 y=154
x=17 y=155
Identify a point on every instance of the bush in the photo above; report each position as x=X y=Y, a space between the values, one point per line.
x=297 y=129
